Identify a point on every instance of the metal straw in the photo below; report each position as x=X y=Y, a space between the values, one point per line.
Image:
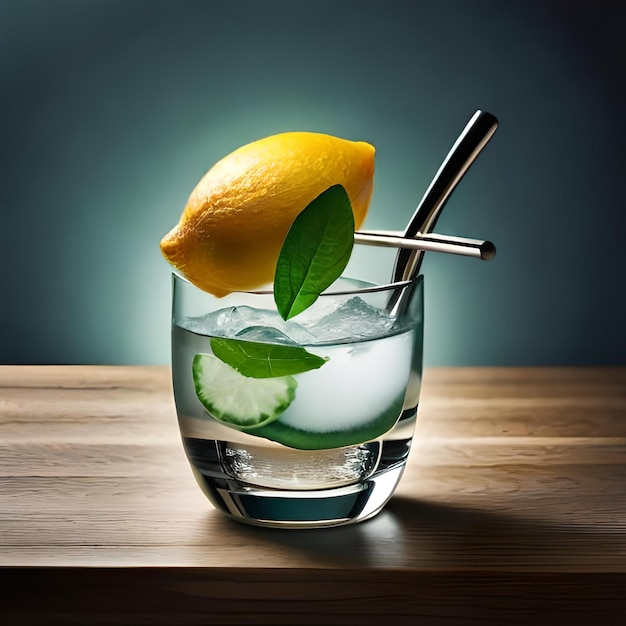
x=432 y=242
x=463 y=153
x=467 y=147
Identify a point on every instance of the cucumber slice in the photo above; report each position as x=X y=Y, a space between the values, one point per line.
x=236 y=400
x=304 y=440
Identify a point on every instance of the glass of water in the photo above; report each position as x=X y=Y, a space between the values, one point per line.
x=325 y=446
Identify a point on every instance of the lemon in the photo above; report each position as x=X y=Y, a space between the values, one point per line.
x=231 y=231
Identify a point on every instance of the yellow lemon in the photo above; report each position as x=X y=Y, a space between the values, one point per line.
x=236 y=219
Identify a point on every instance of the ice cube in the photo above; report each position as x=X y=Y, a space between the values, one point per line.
x=354 y=318
x=357 y=384
x=228 y=322
x=234 y=320
x=265 y=334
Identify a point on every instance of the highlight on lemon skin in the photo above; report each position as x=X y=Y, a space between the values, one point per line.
x=231 y=231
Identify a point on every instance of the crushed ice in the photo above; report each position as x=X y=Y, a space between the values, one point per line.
x=353 y=318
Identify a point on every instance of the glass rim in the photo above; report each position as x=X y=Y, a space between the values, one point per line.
x=368 y=288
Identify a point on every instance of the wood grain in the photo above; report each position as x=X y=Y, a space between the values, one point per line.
x=512 y=510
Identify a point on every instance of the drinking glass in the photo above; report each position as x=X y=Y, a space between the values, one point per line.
x=336 y=453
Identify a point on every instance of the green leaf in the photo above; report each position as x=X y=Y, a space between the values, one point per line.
x=315 y=252
x=264 y=360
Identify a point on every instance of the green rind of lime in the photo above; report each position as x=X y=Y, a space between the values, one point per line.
x=238 y=401
x=306 y=440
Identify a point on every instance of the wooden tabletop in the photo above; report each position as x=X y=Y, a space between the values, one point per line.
x=512 y=510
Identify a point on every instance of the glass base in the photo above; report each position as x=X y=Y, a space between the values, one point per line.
x=367 y=479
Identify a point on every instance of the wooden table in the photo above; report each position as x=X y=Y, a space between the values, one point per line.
x=512 y=510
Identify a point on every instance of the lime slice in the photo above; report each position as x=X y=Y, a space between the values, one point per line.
x=237 y=400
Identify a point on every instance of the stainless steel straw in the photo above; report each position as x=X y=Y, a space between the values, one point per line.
x=467 y=147
x=431 y=242
x=463 y=153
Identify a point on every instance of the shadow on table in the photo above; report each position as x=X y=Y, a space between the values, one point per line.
x=415 y=533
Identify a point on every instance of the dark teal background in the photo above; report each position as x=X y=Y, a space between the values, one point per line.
x=113 y=110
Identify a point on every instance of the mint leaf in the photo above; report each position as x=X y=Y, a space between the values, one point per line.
x=264 y=360
x=315 y=252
